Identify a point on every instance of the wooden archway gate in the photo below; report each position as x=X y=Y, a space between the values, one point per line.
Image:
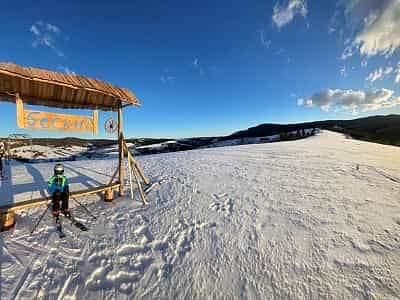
x=53 y=89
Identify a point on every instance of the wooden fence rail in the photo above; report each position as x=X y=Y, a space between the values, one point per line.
x=43 y=201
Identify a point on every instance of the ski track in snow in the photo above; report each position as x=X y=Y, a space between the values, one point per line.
x=317 y=218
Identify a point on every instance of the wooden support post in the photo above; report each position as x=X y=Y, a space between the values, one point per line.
x=133 y=170
x=20 y=111
x=108 y=195
x=121 y=151
x=130 y=173
x=7 y=219
x=95 y=121
x=140 y=171
x=115 y=174
x=139 y=185
x=135 y=165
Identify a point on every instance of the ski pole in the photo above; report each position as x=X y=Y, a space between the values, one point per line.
x=84 y=207
x=40 y=219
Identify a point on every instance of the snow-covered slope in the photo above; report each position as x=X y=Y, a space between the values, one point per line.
x=317 y=218
x=40 y=153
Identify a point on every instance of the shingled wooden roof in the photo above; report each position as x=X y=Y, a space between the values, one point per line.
x=55 y=89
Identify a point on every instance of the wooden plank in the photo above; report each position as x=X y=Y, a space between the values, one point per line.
x=134 y=171
x=115 y=174
x=141 y=192
x=43 y=201
x=20 y=112
x=130 y=175
x=55 y=83
x=95 y=121
x=121 y=152
x=135 y=165
x=74 y=80
x=140 y=171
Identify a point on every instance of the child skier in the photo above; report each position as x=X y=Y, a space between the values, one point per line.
x=59 y=189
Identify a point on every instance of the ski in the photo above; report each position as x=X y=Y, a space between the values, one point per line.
x=59 y=228
x=77 y=223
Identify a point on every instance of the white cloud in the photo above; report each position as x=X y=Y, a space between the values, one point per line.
x=35 y=30
x=379 y=73
x=378 y=23
x=167 y=79
x=46 y=35
x=333 y=23
x=197 y=66
x=348 y=51
x=263 y=40
x=388 y=70
x=351 y=100
x=343 y=71
x=305 y=102
x=397 y=72
x=375 y=75
x=52 y=28
x=283 y=14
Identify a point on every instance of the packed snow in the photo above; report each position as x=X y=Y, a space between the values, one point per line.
x=40 y=153
x=317 y=218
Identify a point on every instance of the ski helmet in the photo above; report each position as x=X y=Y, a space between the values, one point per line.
x=58 y=169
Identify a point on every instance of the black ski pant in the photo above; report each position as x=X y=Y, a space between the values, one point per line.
x=62 y=197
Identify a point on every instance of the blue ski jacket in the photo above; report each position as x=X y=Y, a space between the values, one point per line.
x=58 y=183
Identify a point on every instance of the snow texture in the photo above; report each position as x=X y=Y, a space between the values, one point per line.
x=40 y=153
x=317 y=218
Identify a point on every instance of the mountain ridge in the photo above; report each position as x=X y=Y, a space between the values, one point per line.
x=384 y=129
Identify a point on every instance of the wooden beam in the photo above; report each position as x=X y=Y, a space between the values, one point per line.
x=20 y=111
x=135 y=165
x=46 y=200
x=121 y=152
x=130 y=174
x=139 y=170
x=115 y=174
x=139 y=185
x=134 y=170
x=95 y=121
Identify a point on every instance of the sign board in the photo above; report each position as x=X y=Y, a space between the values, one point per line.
x=31 y=119
x=110 y=125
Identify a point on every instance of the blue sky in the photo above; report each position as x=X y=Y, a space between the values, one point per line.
x=204 y=68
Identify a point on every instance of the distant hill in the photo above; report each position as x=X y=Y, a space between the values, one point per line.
x=72 y=141
x=378 y=129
